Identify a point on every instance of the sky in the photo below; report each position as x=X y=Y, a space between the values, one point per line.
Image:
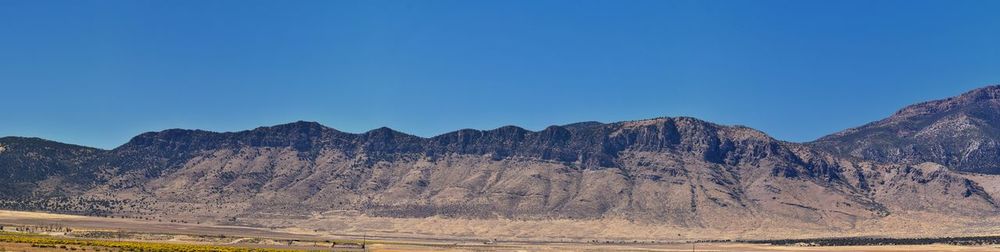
x=97 y=73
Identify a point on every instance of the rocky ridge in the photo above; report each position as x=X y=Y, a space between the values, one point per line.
x=679 y=171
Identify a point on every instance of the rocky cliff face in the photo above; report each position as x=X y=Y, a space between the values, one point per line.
x=666 y=170
x=962 y=133
x=679 y=171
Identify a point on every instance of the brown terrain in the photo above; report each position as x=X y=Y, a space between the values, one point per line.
x=926 y=171
x=296 y=239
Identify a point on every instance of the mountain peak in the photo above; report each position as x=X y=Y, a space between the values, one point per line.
x=511 y=129
x=35 y=142
x=929 y=131
x=299 y=125
x=988 y=96
x=383 y=131
x=991 y=92
x=582 y=124
x=302 y=123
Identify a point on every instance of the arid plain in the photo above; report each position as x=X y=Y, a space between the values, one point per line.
x=156 y=232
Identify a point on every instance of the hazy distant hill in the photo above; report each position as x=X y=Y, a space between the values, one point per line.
x=678 y=171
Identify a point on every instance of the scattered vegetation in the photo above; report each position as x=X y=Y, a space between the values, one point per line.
x=881 y=241
x=69 y=205
x=43 y=241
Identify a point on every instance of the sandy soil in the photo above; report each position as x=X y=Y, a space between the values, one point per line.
x=407 y=242
x=908 y=225
x=681 y=247
x=131 y=225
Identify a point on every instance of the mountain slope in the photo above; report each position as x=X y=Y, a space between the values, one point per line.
x=962 y=133
x=677 y=172
x=30 y=163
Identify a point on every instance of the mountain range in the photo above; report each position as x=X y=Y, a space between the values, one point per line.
x=936 y=158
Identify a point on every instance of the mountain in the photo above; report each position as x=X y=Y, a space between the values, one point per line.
x=962 y=133
x=680 y=172
x=30 y=162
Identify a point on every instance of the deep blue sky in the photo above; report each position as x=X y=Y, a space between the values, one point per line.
x=99 y=72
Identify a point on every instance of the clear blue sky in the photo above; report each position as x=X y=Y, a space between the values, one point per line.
x=99 y=72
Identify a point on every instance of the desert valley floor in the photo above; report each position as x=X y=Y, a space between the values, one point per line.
x=72 y=227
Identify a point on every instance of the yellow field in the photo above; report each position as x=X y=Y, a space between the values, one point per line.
x=45 y=241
